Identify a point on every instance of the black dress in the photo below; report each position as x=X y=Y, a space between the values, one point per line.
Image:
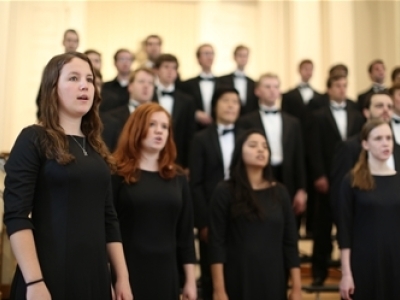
x=369 y=225
x=72 y=216
x=156 y=221
x=257 y=255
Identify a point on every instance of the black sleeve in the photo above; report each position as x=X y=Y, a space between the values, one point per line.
x=111 y=221
x=22 y=170
x=290 y=238
x=345 y=213
x=314 y=147
x=219 y=219
x=185 y=236
x=190 y=128
x=299 y=167
x=341 y=164
x=196 y=167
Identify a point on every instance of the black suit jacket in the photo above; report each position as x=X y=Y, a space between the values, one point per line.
x=293 y=169
x=192 y=88
x=251 y=98
x=325 y=137
x=113 y=95
x=293 y=104
x=206 y=171
x=183 y=123
x=112 y=128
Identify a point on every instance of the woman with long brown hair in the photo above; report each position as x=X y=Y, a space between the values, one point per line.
x=154 y=207
x=58 y=198
x=253 y=234
x=368 y=222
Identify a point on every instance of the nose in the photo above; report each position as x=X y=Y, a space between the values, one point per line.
x=84 y=84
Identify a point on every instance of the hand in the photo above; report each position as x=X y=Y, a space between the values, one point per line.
x=189 y=291
x=220 y=296
x=38 y=291
x=346 y=287
x=202 y=117
x=299 y=202
x=295 y=294
x=322 y=184
x=123 y=290
x=203 y=234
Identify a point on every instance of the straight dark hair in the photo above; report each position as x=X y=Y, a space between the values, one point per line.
x=245 y=202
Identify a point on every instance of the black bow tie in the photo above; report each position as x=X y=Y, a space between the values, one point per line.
x=396 y=121
x=225 y=131
x=207 y=78
x=165 y=93
x=272 y=111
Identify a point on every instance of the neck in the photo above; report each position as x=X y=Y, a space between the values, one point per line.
x=268 y=103
x=71 y=126
x=206 y=70
x=339 y=101
x=305 y=80
x=240 y=68
x=122 y=77
x=165 y=84
x=378 y=167
x=149 y=161
x=223 y=122
x=255 y=175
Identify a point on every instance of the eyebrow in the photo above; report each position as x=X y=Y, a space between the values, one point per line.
x=77 y=73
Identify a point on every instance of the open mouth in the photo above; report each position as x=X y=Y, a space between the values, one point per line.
x=83 y=97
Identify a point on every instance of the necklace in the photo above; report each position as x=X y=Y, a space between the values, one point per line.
x=84 y=143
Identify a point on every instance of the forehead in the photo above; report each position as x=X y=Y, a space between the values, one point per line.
x=340 y=81
x=269 y=81
x=143 y=75
x=256 y=137
x=71 y=35
x=306 y=65
x=124 y=54
x=77 y=65
x=382 y=129
x=206 y=48
x=153 y=40
x=159 y=116
x=377 y=66
x=242 y=51
x=381 y=98
x=93 y=55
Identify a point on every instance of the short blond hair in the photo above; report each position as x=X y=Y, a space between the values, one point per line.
x=267 y=75
x=134 y=73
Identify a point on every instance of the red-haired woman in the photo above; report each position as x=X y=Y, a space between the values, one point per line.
x=369 y=220
x=154 y=208
x=58 y=196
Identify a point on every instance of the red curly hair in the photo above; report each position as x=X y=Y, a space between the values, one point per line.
x=128 y=151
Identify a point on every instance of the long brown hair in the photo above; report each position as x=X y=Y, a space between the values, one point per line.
x=129 y=147
x=361 y=173
x=55 y=143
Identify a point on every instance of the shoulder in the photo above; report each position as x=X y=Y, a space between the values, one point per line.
x=249 y=117
x=223 y=189
x=289 y=93
x=32 y=133
x=109 y=83
x=289 y=119
x=225 y=77
x=183 y=96
x=190 y=80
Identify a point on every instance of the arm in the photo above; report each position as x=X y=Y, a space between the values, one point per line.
x=22 y=171
x=347 y=282
x=117 y=259
x=185 y=242
x=300 y=198
x=219 y=218
x=295 y=293
x=190 y=128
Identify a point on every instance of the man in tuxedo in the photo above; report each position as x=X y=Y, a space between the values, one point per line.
x=115 y=92
x=71 y=43
x=209 y=162
x=396 y=75
x=377 y=106
x=284 y=136
x=152 y=47
x=202 y=87
x=94 y=57
x=394 y=92
x=376 y=71
x=296 y=103
x=242 y=83
x=331 y=125
x=141 y=90
x=178 y=104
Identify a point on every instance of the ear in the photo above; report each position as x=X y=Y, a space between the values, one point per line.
x=366 y=113
x=365 y=145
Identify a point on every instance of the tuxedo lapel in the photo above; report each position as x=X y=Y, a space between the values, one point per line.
x=258 y=122
x=197 y=92
x=285 y=133
x=215 y=144
x=350 y=121
x=332 y=122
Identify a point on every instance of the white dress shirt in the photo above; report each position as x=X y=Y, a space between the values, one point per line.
x=273 y=128
x=227 y=144
x=166 y=101
x=132 y=105
x=306 y=92
x=396 y=128
x=340 y=115
x=240 y=84
x=207 y=90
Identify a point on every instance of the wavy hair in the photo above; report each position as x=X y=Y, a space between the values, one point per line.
x=55 y=142
x=245 y=201
x=129 y=147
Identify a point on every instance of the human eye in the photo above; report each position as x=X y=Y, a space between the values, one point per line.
x=165 y=126
x=73 y=78
x=90 y=79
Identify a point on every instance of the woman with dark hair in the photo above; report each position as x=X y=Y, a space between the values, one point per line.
x=154 y=207
x=58 y=195
x=368 y=223
x=253 y=235
x=209 y=161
